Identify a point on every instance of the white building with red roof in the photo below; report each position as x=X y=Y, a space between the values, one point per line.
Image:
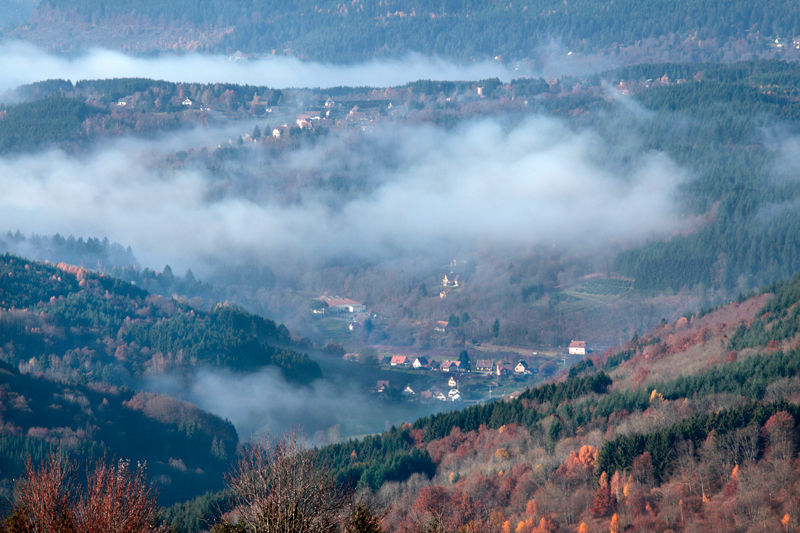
x=577 y=348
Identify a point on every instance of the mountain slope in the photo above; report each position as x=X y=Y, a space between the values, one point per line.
x=329 y=31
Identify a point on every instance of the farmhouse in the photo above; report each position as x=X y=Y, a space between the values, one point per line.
x=521 y=368
x=441 y=326
x=577 y=348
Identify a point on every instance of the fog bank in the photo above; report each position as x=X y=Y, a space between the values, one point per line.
x=404 y=189
x=262 y=403
x=22 y=63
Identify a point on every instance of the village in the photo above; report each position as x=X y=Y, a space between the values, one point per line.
x=432 y=376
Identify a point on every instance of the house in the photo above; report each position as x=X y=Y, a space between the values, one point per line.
x=452 y=382
x=351 y=357
x=345 y=305
x=440 y=396
x=577 y=348
x=484 y=365
x=187 y=102
x=408 y=391
x=426 y=396
x=444 y=293
x=382 y=386
x=282 y=131
x=421 y=362
x=441 y=326
x=454 y=395
x=450 y=366
x=399 y=360
x=503 y=369
x=521 y=367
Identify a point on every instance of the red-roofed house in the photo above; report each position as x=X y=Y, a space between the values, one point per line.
x=450 y=366
x=441 y=326
x=577 y=348
x=399 y=360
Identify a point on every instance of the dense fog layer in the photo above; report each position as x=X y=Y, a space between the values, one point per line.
x=17 y=57
x=387 y=191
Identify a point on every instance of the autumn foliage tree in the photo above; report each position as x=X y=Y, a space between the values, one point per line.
x=603 y=502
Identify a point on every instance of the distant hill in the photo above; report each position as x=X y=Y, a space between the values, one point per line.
x=344 y=32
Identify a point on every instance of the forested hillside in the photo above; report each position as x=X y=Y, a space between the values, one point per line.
x=70 y=340
x=187 y=451
x=327 y=31
x=70 y=323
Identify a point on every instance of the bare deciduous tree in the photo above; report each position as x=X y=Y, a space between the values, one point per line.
x=281 y=488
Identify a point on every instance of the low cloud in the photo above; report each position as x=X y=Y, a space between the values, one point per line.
x=18 y=58
x=262 y=403
x=402 y=190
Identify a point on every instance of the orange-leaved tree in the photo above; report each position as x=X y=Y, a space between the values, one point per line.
x=50 y=500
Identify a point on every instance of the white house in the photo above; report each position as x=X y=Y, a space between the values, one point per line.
x=577 y=348
x=345 y=305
